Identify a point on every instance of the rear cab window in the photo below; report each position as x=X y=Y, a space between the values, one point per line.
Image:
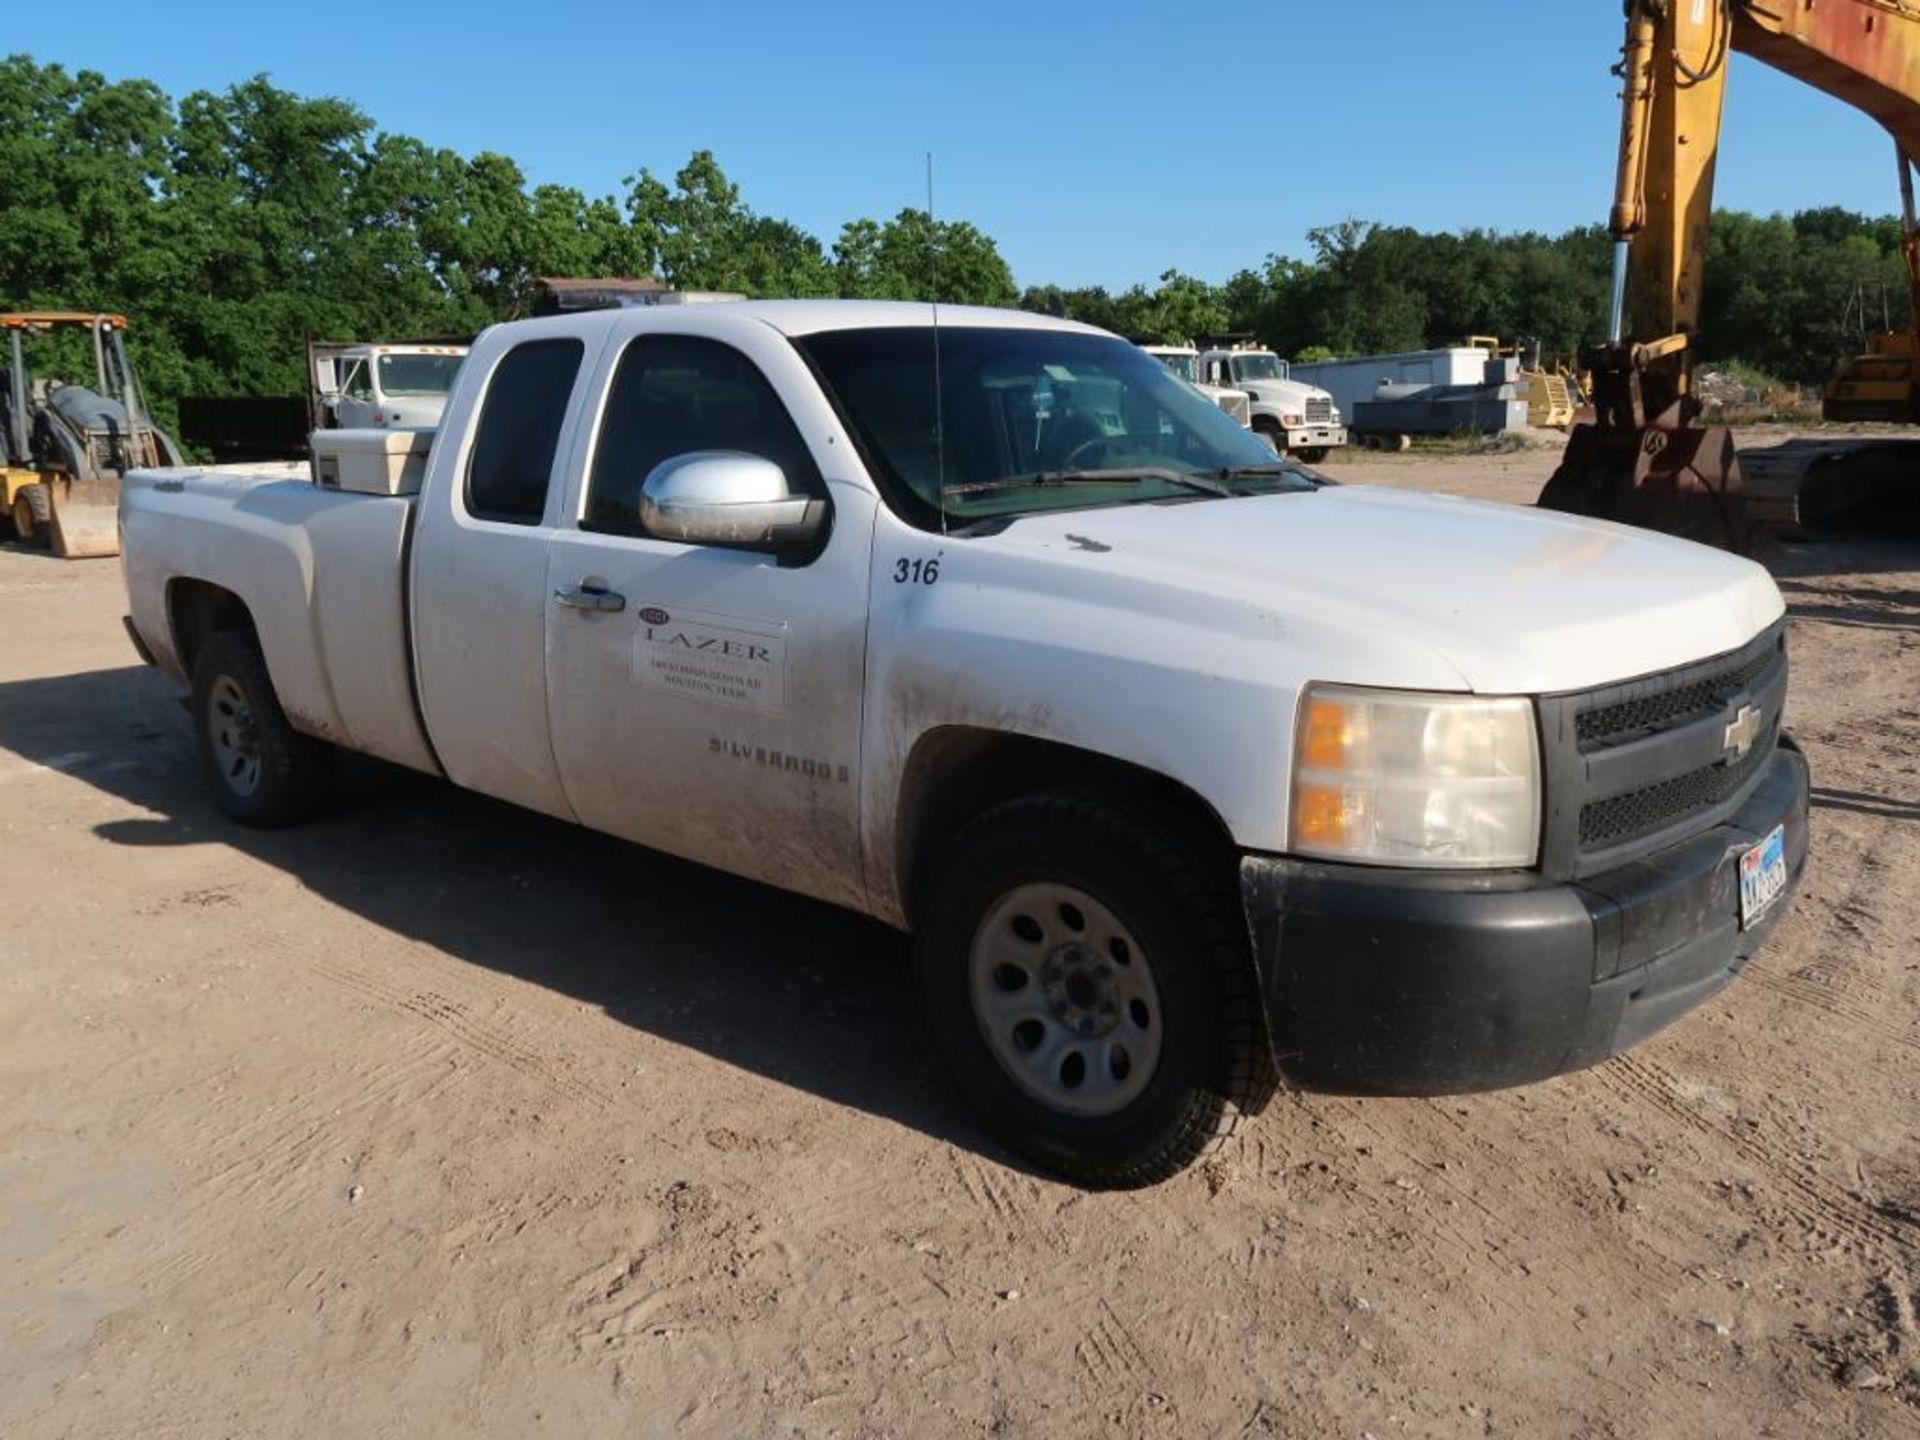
x=510 y=466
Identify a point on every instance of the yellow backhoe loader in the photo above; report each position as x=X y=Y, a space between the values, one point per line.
x=1646 y=458
x=63 y=447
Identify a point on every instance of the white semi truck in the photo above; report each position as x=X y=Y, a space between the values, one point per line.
x=1176 y=762
x=1296 y=418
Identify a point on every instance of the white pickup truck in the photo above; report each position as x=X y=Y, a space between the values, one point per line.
x=1175 y=761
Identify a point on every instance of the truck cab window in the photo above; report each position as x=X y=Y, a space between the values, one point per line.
x=673 y=395
x=519 y=429
x=357 y=385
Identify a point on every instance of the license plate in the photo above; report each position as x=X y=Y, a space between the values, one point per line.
x=1763 y=875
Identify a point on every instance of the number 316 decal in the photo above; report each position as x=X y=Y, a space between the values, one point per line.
x=916 y=572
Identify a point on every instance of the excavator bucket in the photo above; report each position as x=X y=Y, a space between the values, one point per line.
x=1670 y=475
x=85 y=517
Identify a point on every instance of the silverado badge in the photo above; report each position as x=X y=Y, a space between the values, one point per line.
x=1742 y=731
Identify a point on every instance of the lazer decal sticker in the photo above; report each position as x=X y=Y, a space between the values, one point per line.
x=719 y=658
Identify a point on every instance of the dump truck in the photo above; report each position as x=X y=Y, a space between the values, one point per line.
x=65 y=446
x=1184 y=361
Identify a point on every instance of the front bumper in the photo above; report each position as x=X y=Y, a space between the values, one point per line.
x=1416 y=983
x=1315 y=437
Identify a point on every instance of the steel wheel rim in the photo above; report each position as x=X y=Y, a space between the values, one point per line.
x=235 y=736
x=1069 y=1010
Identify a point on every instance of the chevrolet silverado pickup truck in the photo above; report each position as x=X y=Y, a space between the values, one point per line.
x=1185 y=770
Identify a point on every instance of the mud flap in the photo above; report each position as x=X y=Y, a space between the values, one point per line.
x=1671 y=476
x=86 y=517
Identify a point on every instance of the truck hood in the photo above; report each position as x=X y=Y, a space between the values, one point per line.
x=1512 y=600
x=1283 y=392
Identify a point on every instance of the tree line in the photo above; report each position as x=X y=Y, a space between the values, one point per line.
x=229 y=225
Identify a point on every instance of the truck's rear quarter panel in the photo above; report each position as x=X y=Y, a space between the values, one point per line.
x=321 y=573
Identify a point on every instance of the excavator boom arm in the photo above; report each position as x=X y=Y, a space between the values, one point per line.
x=1647 y=459
x=1865 y=53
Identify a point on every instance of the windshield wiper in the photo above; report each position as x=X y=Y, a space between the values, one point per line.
x=1039 y=479
x=1261 y=472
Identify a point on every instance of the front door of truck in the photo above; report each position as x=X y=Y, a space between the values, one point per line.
x=705 y=701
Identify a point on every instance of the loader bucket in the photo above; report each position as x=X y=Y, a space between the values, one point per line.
x=1670 y=475
x=85 y=518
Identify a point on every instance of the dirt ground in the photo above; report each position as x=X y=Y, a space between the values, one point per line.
x=437 y=1118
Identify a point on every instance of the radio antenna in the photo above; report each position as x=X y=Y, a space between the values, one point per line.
x=933 y=292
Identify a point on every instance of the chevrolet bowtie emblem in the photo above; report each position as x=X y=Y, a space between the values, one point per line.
x=1742 y=731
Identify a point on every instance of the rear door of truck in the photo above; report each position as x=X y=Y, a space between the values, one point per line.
x=479 y=594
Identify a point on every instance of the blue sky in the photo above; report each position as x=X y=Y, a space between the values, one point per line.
x=1098 y=143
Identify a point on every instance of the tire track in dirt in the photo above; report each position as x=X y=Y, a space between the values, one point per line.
x=702 y=1267
x=490 y=1027
x=1825 y=1208
x=995 y=1191
x=1817 y=996
x=1482 y=1239
x=316 y=1119
x=259 y=1162
x=1108 y=1354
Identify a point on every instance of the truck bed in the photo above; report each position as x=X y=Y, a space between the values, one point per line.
x=322 y=573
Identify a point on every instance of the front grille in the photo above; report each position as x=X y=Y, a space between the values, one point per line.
x=1648 y=714
x=1653 y=808
x=1236 y=405
x=1320 y=411
x=1640 y=765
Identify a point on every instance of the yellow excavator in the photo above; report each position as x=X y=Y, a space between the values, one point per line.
x=63 y=447
x=1646 y=458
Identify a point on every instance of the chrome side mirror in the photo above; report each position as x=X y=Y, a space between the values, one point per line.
x=725 y=497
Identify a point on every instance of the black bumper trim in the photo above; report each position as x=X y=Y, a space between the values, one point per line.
x=1411 y=982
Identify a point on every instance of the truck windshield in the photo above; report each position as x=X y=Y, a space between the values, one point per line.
x=1187 y=367
x=1031 y=420
x=1259 y=367
x=417 y=374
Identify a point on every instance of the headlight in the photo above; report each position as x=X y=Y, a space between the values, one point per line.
x=1387 y=777
x=1291 y=420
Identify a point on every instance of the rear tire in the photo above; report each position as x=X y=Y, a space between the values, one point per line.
x=261 y=770
x=1084 y=974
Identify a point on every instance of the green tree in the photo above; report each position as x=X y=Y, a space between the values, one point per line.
x=913 y=257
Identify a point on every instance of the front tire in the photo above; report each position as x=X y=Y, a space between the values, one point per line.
x=1084 y=973
x=32 y=514
x=261 y=770
x=1312 y=454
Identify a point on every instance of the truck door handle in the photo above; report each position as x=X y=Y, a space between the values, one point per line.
x=580 y=597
